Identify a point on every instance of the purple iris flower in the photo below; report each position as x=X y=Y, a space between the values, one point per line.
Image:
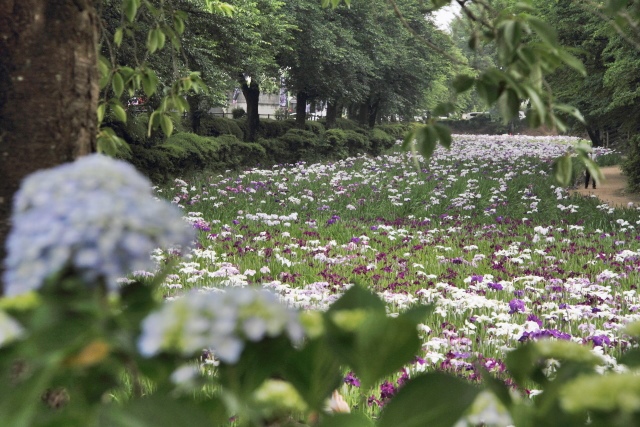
x=516 y=306
x=351 y=379
x=495 y=286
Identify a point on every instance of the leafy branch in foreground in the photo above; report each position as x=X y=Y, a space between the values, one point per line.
x=163 y=23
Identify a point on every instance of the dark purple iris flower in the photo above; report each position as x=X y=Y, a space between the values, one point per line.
x=599 y=340
x=351 y=379
x=387 y=390
x=516 y=306
x=495 y=286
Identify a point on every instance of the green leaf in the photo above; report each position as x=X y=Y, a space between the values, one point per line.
x=117 y=84
x=314 y=372
x=408 y=141
x=166 y=124
x=562 y=170
x=258 y=361
x=357 y=324
x=444 y=108
x=161 y=38
x=463 y=83
x=154 y=121
x=536 y=102
x=487 y=90
x=356 y=419
x=434 y=400
x=427 y=141
x=357 y=297
x=444 y=135
x=630 y=358
x=573 y=111
x=100 y=112
x=152 y=41
x=593 y=169
x=156 y=411
x=545 y=31
x=418 y=313
x=149 y=82
x=496 y=386
x=572 y=61
x=117 y=37
x=119 y=112
x=512 y=33
x=360 y=348
x=178 y=24
x=509 y=105
x=130 y=8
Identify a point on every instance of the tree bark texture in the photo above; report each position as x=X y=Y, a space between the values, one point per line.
x=48 y=90
x=251 y=94
x=332 y=114
x=301 y=109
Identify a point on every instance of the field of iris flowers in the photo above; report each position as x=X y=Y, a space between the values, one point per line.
x=482 y=231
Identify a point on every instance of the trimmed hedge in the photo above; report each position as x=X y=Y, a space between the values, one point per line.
x=185 y=153
x=270 y=128
x=234 y=153
x=357 y=142
x=380 y=141
x=216 y=126
x=337 y=140
x=396 y=130
x=277 y=152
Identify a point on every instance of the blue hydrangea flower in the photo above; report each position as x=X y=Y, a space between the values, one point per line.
x=218 y=321
x=97 y=215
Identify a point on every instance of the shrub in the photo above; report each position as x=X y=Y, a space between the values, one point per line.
x=277 y=152
x=337 y=141
x=234 y=153
x=315 y=127
x=216 y=126
x=347 y=124
x=152 y=162
x=305 y=145
x=357 y=143
x=631 y=166
x=396 y=130
x=237 y=113
x=270 y=128
x=242 y=124
x=380 y=141
x=189 y=152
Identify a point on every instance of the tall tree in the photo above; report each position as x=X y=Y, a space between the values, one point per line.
x=48 y=89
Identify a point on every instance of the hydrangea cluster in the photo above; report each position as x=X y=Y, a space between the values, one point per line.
x=218 y=321
x=97 y=215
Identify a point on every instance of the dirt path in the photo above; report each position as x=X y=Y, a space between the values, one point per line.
x=612 y=190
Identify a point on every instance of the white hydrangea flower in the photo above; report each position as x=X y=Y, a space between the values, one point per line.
x=97 y=215
x=219 y=321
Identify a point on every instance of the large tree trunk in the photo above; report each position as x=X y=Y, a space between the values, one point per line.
x=194 y=112
x=251 y=94
x=332 y=114
x=301 y=109
x=48 y=90
x=363 y=114
x=374 y=108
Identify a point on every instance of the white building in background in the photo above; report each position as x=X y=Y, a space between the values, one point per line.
x=268 y=104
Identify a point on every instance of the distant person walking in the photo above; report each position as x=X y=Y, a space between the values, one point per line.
x=588 y=176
